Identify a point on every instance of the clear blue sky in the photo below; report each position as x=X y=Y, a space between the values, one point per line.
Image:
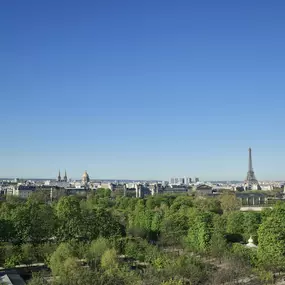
x=142 y=89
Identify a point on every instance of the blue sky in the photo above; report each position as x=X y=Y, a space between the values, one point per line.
x=142 y=89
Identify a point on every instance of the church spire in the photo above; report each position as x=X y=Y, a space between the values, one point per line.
x=59 y=177
x=65 y=177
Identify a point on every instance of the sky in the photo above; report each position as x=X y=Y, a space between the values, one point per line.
x=142 y=89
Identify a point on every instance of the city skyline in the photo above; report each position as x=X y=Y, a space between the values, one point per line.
x=76 y=177
x=143 y=90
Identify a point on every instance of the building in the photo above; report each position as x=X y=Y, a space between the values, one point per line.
x=76 y=191
x=180 y=180
x=11 y=278
x=110 y=186
x=60 y=184
x=203 y=189
x=252 y=199
x=59 y=177
x=175 y=189
x=24 y=191
x=85 y=178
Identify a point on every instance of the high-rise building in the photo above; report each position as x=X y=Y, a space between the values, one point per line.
x=188 y=180
x=180 y=180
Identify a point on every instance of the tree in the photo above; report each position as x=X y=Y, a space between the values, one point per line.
x=271 y=239
x=96 y=250
x=200 y=232
x=109 y=260
x=38 y=279
x=235 y=226
x=229 y=202
x=6 y=230
x=62 y=253
x=218 y=243
x=32 y=222
x=28 y=254
x=69 y=216
x=252 y=221
x=208 y=204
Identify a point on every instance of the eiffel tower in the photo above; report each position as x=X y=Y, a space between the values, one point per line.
x=250 y=177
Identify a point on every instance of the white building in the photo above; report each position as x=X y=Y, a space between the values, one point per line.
x=180 y=180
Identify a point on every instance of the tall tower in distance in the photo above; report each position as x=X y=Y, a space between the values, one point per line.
x=65 y=177
x=251 y=181
x=59 y=177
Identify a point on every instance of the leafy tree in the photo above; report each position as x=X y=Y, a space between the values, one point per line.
x=271 y=239
x=38 y=279
x=103 y=193
x=181 y=201
x=200 y=232
x=32 y=222
x=69 y=216
x=44 y=251
x=13 y=260
x=208 y=204
x=174 y=225
x=62 y=253
x=229 y=202
x=252 y=221
x=28 y=254
x=235 y=223
x=109 y=260
x=96 y=250
x=218 y=243
x=6 y=230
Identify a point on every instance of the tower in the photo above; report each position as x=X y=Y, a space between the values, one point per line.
x=65 y=177
x=251 y=181
x=85 y=178
x=59 y=177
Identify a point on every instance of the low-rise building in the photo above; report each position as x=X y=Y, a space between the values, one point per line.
x=23 y=191
x=203 y=189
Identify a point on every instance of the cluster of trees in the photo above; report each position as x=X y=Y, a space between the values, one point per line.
x=163 y=239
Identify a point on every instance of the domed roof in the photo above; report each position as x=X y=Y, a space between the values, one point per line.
x=250 y=243
x=85 y=174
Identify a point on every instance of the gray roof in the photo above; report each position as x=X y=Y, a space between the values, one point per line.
x=12 y=279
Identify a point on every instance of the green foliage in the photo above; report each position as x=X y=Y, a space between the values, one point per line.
x=109 y=259
x=28 y=254
x=172 y=282
x=252 y=221
x=271 y=239
x=200 y=232
x=229 y=202
x=37 y=279
x=155 y=234
x=247 y=255
x=103 y=193
x=96 y=250
x=44 y=251
x=235 y=223
x=62 y=253
x=208 y=204
x=13 y=260
x=70 y=218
